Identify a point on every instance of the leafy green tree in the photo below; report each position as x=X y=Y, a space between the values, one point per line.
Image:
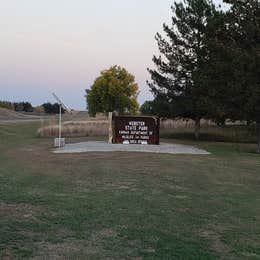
x=114 y=90
x=180 y=83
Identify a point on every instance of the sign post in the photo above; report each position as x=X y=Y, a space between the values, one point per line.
x=110 y=127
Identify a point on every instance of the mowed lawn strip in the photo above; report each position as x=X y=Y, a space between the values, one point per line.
x=126 y=205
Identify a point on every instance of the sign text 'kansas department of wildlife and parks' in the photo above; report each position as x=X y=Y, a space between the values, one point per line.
x=135 y=130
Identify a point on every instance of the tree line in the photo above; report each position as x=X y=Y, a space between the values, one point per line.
x=48 y=108
x=17 y=106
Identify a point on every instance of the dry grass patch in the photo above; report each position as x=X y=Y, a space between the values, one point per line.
x=22 y=210
x=217 y=245
x=209 y=131
x=178 y=129
x=99 y=127
x=65 y=250
x=7 y=114
x=76 y=129
x=76 y=249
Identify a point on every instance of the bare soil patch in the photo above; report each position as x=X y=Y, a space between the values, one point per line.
x=22 y=210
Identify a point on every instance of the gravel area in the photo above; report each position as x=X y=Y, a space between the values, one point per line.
x=101 y=146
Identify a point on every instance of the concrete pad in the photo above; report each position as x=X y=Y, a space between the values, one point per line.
x=101 y=146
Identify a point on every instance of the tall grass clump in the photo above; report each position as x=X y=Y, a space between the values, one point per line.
x=231 y=132
x=76 y=129
x=175 y=129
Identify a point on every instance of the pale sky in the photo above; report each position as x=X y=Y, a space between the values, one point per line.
x=62 y=45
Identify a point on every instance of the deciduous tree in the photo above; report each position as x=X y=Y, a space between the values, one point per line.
x=114 y=90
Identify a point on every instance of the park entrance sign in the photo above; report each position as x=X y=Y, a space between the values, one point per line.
x=135 y=130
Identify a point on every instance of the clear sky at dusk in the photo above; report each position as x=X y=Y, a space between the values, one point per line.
x=62 y=45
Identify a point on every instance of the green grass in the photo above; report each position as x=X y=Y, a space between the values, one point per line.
x=127 y=205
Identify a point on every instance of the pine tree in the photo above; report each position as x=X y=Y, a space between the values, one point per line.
x=180 y=82
x=243 y=23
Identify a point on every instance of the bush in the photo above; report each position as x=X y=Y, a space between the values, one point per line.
x=52 y=108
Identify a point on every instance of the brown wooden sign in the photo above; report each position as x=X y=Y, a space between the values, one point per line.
x=135 y=130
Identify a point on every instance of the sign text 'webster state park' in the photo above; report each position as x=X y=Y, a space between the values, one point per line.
x=135 y=130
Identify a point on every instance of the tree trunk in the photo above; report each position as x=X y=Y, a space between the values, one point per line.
x=197 y=128
x=258 y=135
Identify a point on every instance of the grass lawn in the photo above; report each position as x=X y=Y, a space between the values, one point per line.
x=126 y=205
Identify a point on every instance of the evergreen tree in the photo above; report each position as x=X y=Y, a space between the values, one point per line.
x=147 y=108
x=23 y=107
x=52 y=108
x=243 y=23
x=180 y=82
